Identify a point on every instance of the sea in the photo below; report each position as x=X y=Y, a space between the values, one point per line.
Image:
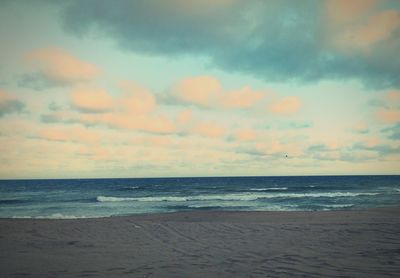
x=93 y=198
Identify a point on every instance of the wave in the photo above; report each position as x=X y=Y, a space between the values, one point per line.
x=232 y=197
x=268 y=189
x=128 y=188
x=142 y=199
x=338 y=206
x=51 y=216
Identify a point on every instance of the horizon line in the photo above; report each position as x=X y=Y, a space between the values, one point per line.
x=197 y=177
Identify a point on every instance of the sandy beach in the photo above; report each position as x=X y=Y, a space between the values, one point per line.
x=362 y=243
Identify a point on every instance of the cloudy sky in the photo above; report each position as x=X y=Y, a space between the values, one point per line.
x=199 y=88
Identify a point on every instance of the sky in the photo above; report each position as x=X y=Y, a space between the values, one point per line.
x=96 y=89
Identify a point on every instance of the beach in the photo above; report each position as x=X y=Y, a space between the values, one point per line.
x=353 y=243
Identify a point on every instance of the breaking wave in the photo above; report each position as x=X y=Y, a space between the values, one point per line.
x=268 y=189
x=51 y=216
x=232 y=197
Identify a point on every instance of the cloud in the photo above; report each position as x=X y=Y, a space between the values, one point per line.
x=53 y=118
x=207 y=92
x=244 y=97
x=357 y=152
x=245 y=135
x=272 y=40
x=136 y=100
x=359 y=24
x=56 y=67
x=297 y=125
x=377 y=103
x=389 y=116
x=393 y=96
x=208 y=129
x=68 y=134
x=317 y=148
x=53 y=106
x=271 y=148
x=134 y=108
x=342 y=12
x=286 y=105
x=389 y=111
x=361 y=127
x=153 y=141
x=380 y=149
x=201 y=90
x=371 y=149
x=9 y=105
x=91 y=100
x=147 y=123
x=393 y=131
x=184 y=117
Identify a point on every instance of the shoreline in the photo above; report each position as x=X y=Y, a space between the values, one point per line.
x=345 y=243
x=196 y=214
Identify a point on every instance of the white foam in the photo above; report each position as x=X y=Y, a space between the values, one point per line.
x=220 y=204
x=142 y=199
x=339 y=206
x=51 y=216
x=250 y=196
x=268 y=189
x=269 y=207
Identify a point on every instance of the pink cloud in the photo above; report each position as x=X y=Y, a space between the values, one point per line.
x=245 y=135
x=159 y=141
x=242 y=98
x=372 y=142
x=74 y=134
x=211 y=130
x=134 y=109
x=286 y=105
x=379 y=27
x=92 y=100
x=359 y=24
x=136 y=100
x=342 y=12
x=389 y=115
x=184 y=117
x=360 y=127
x=148 y=123
x=272 y=147
x=4 y=96
x=393 y=96
x=59 y=66
x=391 y=112
x=206 y=91
x=201 y=90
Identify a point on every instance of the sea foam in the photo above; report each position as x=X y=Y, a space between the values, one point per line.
x=232 y=197
x=269 y=189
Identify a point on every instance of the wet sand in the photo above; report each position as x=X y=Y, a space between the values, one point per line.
x=206 y=244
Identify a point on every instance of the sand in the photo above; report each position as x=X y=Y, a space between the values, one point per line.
x=206 y=244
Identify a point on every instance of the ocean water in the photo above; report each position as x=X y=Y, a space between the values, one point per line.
x=81 y=198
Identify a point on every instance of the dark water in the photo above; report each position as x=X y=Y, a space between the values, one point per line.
x=73 y=198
